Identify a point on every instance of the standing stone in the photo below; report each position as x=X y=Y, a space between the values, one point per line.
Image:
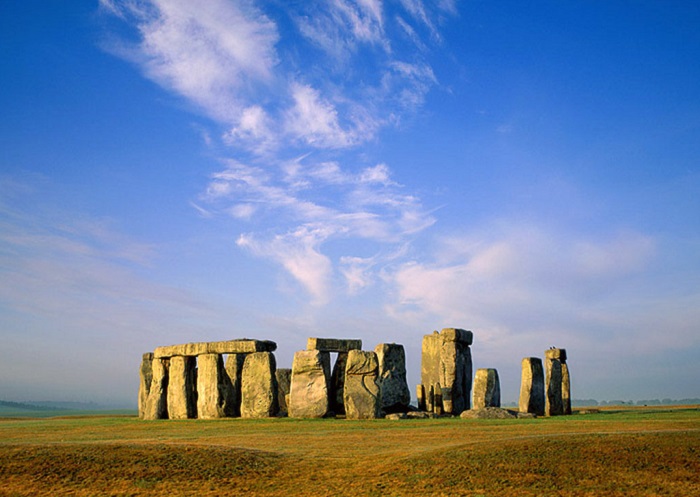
x=234 y=371
x=553 y=372
x=309 y=390
x=532 y=386
x=214 y=388
x=259 y=386
x=362 y=395
x=182 y=394
x=157 y=403
x=145 y=377
x=392 y=377
x=337 y=385
x=284 y=380
x=487 y=389
x=565 y=389
x=446 y=370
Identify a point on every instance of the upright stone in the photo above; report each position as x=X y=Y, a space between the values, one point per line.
x=214 y=388
x=337 y=385
x=284 y=381
x=259 y=386
x=145 y=377
x=553 y=379
x=182 y=393
x=362 y=396
x=532 y=386
x=157 y=403
x=565 y=389
x=487 y=389
x=395 y=396
x=309 y=390
x=446 y=370
x=234 y=371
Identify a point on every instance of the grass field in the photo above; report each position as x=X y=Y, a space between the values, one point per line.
x=646 y=452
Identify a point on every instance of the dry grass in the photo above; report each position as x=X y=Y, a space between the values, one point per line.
x=638 y=452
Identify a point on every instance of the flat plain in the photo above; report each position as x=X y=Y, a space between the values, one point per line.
x=642 y=451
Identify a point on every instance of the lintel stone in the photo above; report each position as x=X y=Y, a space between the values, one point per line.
x=333 y=344
x=240 y=346
x=457 y=335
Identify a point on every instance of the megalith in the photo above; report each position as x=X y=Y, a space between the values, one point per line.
x=284 y=381
x=182 y=389
x=361 y=395
x=487 y=389
x=532 y=386
x=157 y=402
x=145 y=377
x=259 y=386
x=446 y=371
x=214 y=388
x=553 y=380
x=341 y=346
x=234 y=371
x=309 y=389
x=395 y=395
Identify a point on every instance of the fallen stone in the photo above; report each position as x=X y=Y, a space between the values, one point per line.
x=532 y=386
x=487 y=389
x=259 y=386
x=361 y=394
x=241 y=346
x=395 y=396
x=396 y=416
x=421 y=415
x=333 y=344
x=145 y=378
x=488 y=413
x=309 y=389
x=526 y=415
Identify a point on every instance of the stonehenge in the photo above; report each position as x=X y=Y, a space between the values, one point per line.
x=335 y=378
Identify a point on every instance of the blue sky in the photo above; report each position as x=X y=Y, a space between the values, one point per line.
x=376 y=170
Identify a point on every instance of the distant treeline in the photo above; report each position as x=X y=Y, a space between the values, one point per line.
x=649 y=402
x=27 y=407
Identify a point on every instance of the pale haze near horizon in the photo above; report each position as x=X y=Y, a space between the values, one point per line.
x=374 y=170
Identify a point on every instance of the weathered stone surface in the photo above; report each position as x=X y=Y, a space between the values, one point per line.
x=284 y=381
x=259 y=386
x=234 y=371
x=395 y=396
x=309 y=390
x=396 y=416
x=565 y=389
x=446 y=371
x=333 y=344
x=337 y=385
x=361 y=395
x=214 y=388
x=145 y=377
x=457 y=335
x=487 y=412
x=157 y=402
x=487 y=389
x=532 y=386
x=555 y=353
x=182 y=394
x=241 y=346
x=553 y=401
x=420 y=415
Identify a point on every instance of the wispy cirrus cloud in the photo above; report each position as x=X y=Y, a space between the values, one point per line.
x=328 y=83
